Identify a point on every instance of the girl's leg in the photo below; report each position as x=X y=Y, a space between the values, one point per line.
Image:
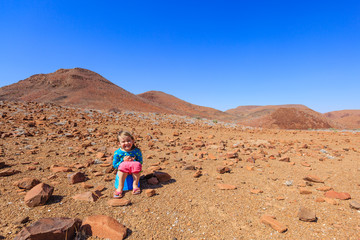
x=136 y=177
x=122 y=177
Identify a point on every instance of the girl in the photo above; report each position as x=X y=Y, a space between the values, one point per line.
x=128 y=159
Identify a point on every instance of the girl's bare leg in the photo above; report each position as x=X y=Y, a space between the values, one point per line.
x=136 y=177
x=122 y=177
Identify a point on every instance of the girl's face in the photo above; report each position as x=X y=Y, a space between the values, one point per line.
x=126 y=143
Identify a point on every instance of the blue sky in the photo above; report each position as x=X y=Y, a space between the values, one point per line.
x=219 y=54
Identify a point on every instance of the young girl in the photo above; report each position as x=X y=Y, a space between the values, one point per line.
x=128 y=159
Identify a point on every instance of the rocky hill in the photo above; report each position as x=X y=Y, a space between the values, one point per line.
x=350 y=119
x=292 y=116
x=182 y=107
x=76 y=87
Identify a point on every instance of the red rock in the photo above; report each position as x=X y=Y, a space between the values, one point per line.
x=256 y=191
x=226 y=186
x=306 y=215
x=305 y=191
x=86 y=185
x=189 y=167
x=287 y=159
x=332 y=201
x=100 y=155
x=250 y=168
x=337 y=195
x=150 y=192
x=162 y=176
x=272 y=222
x=305 y=164
x=223 y=170
x=76 y=177
x=187 y=148
x=153 y=181
x=355 y=205
x=8 y=172
x=27 y=183
x=232 y=155
x=211 y=156
x=86 y=196
x=56 y=169
x=103 y=227
x=50 y=228
x=197 y=174
x=324 y=189
x=119 y=202
x=38 y=195
x=312 y=178
x=319 y=199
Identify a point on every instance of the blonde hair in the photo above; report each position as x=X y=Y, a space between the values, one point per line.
x=123 y=133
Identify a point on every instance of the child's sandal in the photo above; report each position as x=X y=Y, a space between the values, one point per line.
x=136 y=191
x=118 y=194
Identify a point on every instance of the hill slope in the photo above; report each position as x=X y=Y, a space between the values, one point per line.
x=292 y=116
x=348 y=118
x=77 y=88
x=182 y=107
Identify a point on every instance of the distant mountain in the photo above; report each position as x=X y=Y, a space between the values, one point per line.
x=182 y=107
x=76 y=87
x=291 y=116
x=350 y=119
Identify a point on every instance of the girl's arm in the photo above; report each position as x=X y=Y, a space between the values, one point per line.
x=117 y=159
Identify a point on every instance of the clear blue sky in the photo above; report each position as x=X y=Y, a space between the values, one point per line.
x=219 y=54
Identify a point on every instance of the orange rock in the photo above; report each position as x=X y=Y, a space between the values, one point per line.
x=256 y=191
x=312 y=178
x=272 y=222
x=305 y=191
x=226 y=186
x=103 y=227
x=337 y=195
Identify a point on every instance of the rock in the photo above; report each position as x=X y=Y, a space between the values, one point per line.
x=305 y=191
x=8 y=172
x=232 y=155
x=153 y=181
x=86 y=185
x=22 y=220
x=50 y=228
x=355 y=205
x=57 y=169
x=119 y=202
x=305 y=164
x=256 y=191
x=27 y=183
x=162 y=176
x=197 y=174
x=324 y=189
x=2 y=165
x=103 y=227
x=272 y=222
x=250 y=168
x=223 y=170
x=38 y=195
x=337 y=195
x=76 y=177
x=332 y=201
x=226 y=186
x=187 y=148
x=86 y=196
x=150 y=192
x=287 y=159
x=189 y=167
x=312 y=178
x=307 y=215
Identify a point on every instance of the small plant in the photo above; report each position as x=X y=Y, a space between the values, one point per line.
x=215 y=121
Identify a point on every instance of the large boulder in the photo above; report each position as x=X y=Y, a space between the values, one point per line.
x=38 y=195
x=50 y=228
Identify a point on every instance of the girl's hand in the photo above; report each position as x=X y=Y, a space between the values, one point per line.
x=129 y=159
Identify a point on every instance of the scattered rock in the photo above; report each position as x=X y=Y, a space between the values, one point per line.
x=312 y=178
x=86 y=196
x=27 y=183
x=103 y=227
x=8 y=172
x=153 y=181
x=272 y=222
x=226 y=186
x=256 y=191
x=50 y=228
x=307 y=215
x=223 y=170
x=38 y=195
x=150 y=192
x=305 y=191
x=76 y=177
x=337 y=195
x=162 y=176
x=355 y=205
x=189 y=167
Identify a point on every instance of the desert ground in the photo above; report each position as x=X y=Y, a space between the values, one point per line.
x=224 y=177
